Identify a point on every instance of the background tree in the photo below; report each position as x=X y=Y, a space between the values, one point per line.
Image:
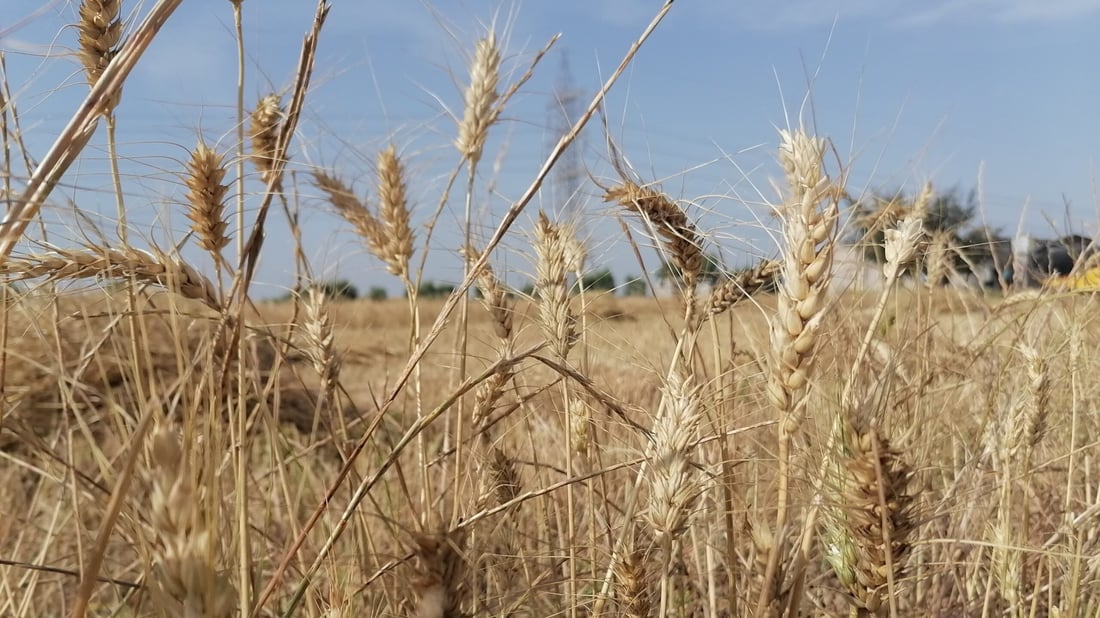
x=635 y=286
x=338 y=289
x=949 y=219
x=600 y=280
x=949 y=212
x=434 y=289
x=334 y=289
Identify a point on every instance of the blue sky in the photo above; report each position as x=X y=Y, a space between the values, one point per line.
x=1001 y=95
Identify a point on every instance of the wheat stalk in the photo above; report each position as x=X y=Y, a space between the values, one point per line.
x=206 y=194
x=809 y=216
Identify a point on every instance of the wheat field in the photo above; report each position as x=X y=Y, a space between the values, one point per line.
x=782 y=443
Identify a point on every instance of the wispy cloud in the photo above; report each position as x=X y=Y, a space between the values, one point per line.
x=1003 y=11
x=797 y=14
x=1052 y=10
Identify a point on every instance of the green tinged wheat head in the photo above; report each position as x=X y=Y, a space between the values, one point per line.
x=870 y=518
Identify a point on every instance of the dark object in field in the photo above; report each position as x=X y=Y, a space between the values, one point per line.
x=1049 y=257
x=1057 y=257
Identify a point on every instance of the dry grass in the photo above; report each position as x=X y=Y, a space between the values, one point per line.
x=172 y=446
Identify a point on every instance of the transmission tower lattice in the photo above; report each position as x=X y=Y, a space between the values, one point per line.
x=567 y=177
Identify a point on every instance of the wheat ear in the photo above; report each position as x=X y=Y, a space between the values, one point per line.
x=1011 y=439
x=206 y=192
x=481 y=97
x=740 y=287
x=100 y=30
x=674 y=484
x=632 y=586
x=494 y=296
x=264 y=131
x=809 y=216
x=349 y=207
x=320 y=347
x=185 y=580
x=555 y=313
x=870 y=520
x=497 y=302
x=397 y=246
x=388 y=238
x=104 y=262
x=682 y=241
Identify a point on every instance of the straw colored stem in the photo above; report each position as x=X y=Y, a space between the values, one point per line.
x=414 y=360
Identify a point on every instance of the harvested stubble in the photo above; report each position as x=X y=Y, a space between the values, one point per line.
x=92 y=373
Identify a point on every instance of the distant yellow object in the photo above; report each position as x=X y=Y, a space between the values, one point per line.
x=1086 y=280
